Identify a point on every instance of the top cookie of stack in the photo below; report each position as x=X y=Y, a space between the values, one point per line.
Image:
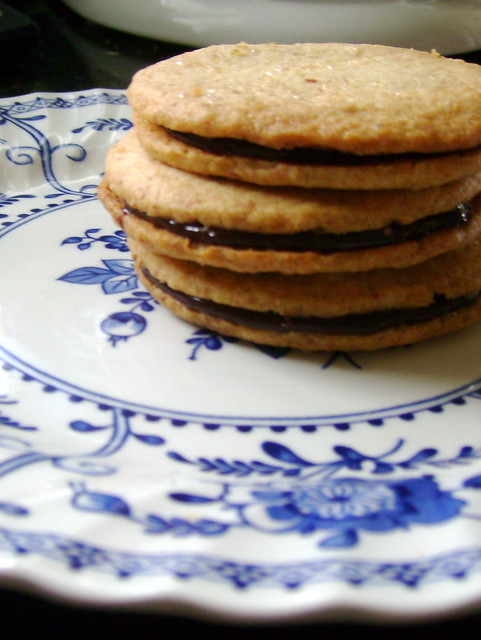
x=321 y=196
x=313 y=115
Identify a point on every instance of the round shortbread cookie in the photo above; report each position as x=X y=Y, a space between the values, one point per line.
x=362 y=99
x=402 y=173
x=394 y=337
x=331 y=297
x=455 y=274
x=397 y=255
x=165 y=192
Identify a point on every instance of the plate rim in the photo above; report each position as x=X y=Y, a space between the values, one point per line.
x=20 y=578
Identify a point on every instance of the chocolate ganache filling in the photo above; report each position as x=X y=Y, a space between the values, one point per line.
x=353 y=324
x=296 y=155
x=311 y=240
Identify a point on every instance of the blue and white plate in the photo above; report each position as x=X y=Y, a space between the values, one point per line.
x=147 y=463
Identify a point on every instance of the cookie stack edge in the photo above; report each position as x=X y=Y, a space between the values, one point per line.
x=321 y=196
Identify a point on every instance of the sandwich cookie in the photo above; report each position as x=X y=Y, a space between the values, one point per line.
x=366 y=311
x=315 y=115
x=250 y=228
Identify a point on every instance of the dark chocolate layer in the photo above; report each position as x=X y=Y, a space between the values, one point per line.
x=296 y=155
x=312 y=240
x=354 y=324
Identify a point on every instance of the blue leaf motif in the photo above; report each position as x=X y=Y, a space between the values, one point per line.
x=178 y=457
x=154 y=524
x=119 y=285
x=87 y=275
x=284 y=454
x=187 y=497
x=181 y=527
x=211 y=527
x=109 y=239
x=352 y=457
x=383 y=467
x=72 y=240
x=84 y=427
x=110 y=123
x=473 y=483
x=268 y=469
x=33 y=118
x=93 y=501
x=122 y=267
x=421 y=456
x=152 y=440
x=467 y=452
x=13 y=509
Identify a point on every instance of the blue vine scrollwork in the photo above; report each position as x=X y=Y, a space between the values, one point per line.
x=24 y=117
x=45 y=151
x=309 y=498
x=118 y=431
x=335 y=503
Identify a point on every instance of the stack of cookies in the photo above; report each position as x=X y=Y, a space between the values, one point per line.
x=315 y=196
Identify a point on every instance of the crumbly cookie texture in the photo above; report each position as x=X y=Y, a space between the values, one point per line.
x=160 y=190
x=363 y=99
x=394 y=337
x=325 y=295
x=315 y=196
x=403 y=173
x=308 y=341
x=400 y=255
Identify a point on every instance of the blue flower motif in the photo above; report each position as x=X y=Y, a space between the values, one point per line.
x=347 y=505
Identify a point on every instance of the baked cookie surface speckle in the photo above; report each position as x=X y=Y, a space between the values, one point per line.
x=363 y=99
x=401 y=173
x=315 y=196
x=252 y=258
x=281 y=300
x=163 y=191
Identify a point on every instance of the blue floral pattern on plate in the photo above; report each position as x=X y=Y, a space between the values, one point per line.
x=142 y=458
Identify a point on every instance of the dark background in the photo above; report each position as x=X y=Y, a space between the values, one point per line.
x=67 y=53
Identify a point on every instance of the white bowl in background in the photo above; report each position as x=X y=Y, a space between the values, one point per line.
x=449 y=26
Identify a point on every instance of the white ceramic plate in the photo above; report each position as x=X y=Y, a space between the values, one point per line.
x=149 y=464
x=449 y=26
